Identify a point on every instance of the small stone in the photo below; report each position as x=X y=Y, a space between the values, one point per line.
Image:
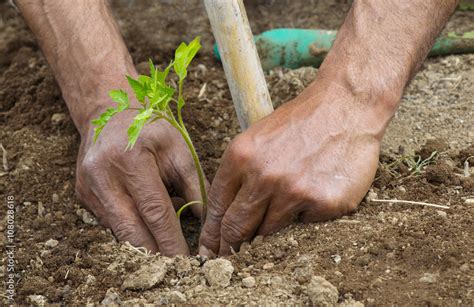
x=303 y=274
x=321 y=292
x=183 y=266
x=469 y=201
x=371 y=196
x=58 y=118
x=351 y=303
x=51 y=279
x=268 y=266
x=88 y=218
x=442 y=213
x=90 y=279
x=428 y=278
x=336 y=258
x=111 y=297
x=402 y=189
x=293 y=242
x=257 y=240
x=244 y=247
x=177 y=297
x=218 y=272
x=37 y=300
x=465 y=267
x=51 y=243
x=248 y=282
x=147 y=276
x=55 y=198
x=195 y=262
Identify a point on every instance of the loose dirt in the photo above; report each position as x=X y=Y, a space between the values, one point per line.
x=383 y=254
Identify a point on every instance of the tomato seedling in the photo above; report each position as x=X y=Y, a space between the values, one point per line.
x=155 y=94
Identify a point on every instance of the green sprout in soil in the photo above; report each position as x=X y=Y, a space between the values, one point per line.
x=415 y=165
x=155 y=94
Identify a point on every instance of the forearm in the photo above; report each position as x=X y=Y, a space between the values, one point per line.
x=380 y=47
x=84 y=48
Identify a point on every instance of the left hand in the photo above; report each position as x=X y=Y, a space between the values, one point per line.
x=313 y=159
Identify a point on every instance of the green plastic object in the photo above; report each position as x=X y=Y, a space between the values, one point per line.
x=293 y=48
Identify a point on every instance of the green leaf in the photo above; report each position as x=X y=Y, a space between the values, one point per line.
x=180 y=102
x=138 y=89
x=184 y=55
x=137 y=125
x=152 y=69
x=102 y=121
x=120 y=97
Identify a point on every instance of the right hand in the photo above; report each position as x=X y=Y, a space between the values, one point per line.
x=127 y=190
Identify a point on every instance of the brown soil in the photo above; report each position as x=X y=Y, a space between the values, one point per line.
x=384 y=254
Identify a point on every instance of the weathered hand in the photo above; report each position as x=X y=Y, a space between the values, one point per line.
x=127 y=190
x=313 y=159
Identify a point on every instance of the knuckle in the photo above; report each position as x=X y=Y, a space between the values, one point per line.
x=241 y=150
x=338 y=204
x=232 y=232
x=154 y=210
x=125 y=230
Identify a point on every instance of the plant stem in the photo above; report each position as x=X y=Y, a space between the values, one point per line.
x=197 y=164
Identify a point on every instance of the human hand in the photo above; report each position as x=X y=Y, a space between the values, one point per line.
x=127 y=190
x=313 y=159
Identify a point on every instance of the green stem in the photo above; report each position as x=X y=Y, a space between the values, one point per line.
x=180 y=98
x=178 y=213
x=197 y=164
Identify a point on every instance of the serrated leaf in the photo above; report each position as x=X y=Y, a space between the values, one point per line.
x=136 y=127
x=152 y=69
x=138 y=89
x=120 y=97
x=184 y=55
x=102 y=121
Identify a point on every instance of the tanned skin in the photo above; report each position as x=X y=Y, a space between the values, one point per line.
x=313 y=159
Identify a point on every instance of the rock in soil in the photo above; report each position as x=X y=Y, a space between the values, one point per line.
x=321 y=292
x=428 y=278
x=111 y=297
x=218 y=272
x=147 y=276
x=37 y=300
x=248 y=282
x=177 y=297
x=51 y=243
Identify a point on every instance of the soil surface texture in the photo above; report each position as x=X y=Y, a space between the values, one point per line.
x=384 y=254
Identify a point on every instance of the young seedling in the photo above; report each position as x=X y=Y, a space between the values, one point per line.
x=155 y=94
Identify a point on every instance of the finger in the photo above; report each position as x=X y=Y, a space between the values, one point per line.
x=225 y=186
x=126 y=223
x=242 y=218
x=281 y=213
x=155 y=207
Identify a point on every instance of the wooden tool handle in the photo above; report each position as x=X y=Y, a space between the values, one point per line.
x=240 y=60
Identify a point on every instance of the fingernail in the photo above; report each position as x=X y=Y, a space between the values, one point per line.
x=203 y=251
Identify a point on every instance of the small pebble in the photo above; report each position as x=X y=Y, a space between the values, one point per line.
x=51 y=243
x=442 y=213
x=248 y=282
x=177 y=297
x=321 y=292
x=464 y=267
x=41 y=209
x=293 y=242
x=268 y=266
x=57 y=118
x=55 y=198
x=111 y=297
x=218 y=272
x=469 y=201
x=336 y=258
x=428 y=278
